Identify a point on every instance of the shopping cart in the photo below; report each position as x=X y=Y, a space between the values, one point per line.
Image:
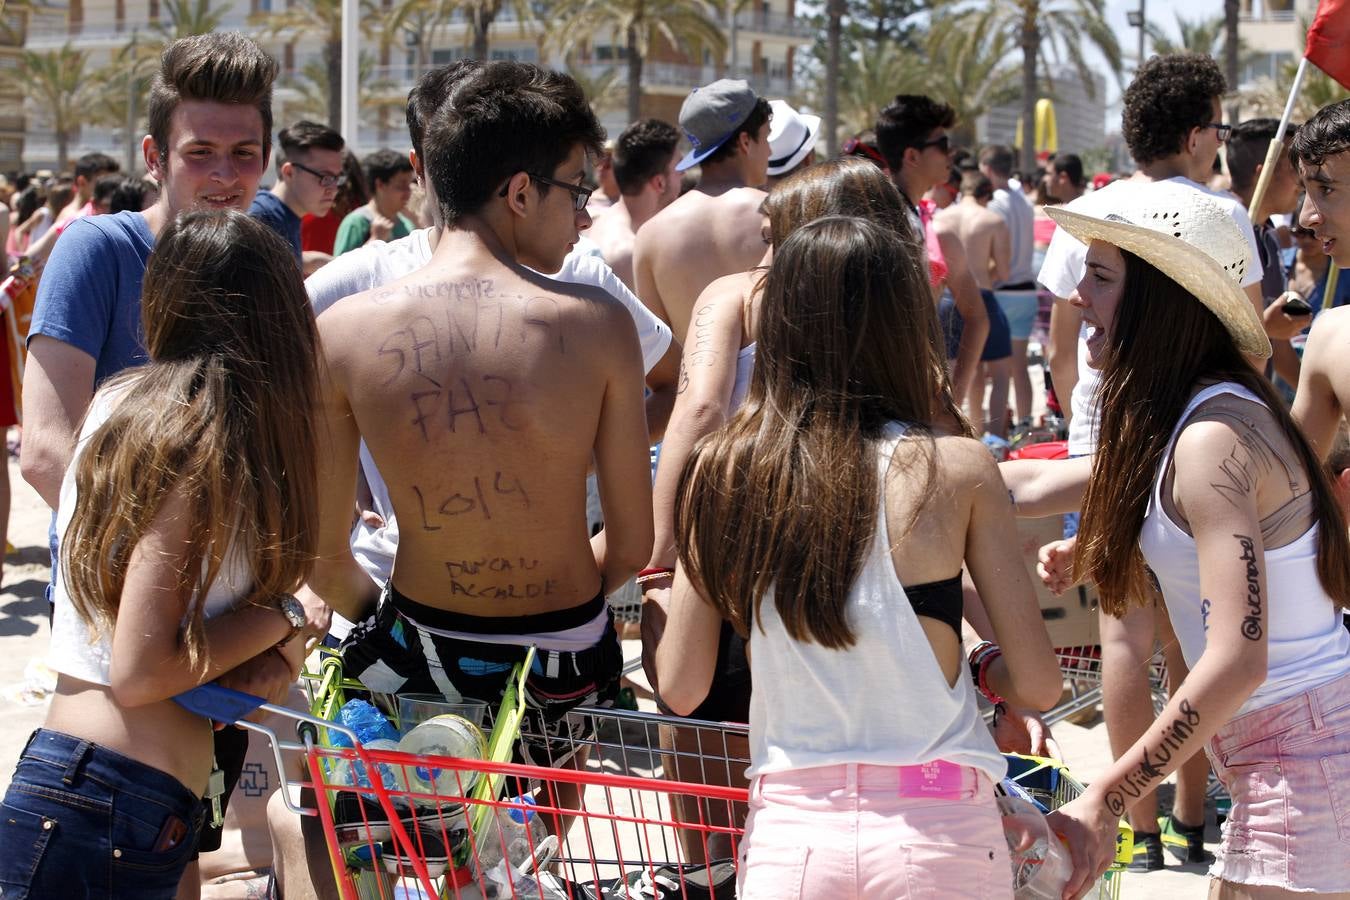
x=1082 y=669
x=642 y=806
x=1049 y=784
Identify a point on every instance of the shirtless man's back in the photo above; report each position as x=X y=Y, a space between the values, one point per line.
x=484 y=392
x=644 y=167
x=981 y=230
x=714 y=230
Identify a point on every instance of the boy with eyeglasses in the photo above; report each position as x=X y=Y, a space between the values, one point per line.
x=484 y=392
x=309 y=173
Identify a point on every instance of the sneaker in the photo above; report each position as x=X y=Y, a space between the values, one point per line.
x=1148 y=853
x=1186 y=843
x=359 y=818
x=426 y=843
x=714 y=881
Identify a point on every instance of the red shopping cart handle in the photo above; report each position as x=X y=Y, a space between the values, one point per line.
x=220 y=704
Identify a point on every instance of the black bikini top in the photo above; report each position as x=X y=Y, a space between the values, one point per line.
x=941 y=600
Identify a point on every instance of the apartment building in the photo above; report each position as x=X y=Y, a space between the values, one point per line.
x=1272 y=31
x=763 y=42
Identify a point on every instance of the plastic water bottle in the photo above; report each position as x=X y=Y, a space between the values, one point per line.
x=447 y=735
x=1040 y=863
x=518 y=828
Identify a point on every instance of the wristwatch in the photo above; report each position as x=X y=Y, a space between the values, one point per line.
x=294 y=611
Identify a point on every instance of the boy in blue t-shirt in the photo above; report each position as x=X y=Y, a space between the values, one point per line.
x=309 y=174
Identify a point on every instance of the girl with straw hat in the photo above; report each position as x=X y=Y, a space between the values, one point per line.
x=1203 y=483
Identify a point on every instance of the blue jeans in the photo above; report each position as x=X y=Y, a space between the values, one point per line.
x=81 y=821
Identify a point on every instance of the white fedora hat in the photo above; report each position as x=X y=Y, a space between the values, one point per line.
x=1188 y=237
x=791 y=136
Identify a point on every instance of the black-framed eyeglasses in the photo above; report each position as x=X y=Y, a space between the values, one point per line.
x=326 y=179
x=580 y=195
x=1222 y=130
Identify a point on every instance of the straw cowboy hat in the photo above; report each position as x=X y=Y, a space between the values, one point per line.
x=1188 y=237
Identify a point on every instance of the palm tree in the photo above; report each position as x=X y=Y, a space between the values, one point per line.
x=64 y=89
x=420 y=19
x=324 y=19
x=602 y=88
x=1049 y=30
x=868 y=81
x=834 y=28
x=311 y=83
x=1208 y=36
x=1197 y=36
x=483 y=13
x=184 y=18
x=1230 y=51
x=687 y=25
x=1267 y=96
x=970 y=67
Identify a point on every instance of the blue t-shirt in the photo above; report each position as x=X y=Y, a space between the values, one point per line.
x=90 y=293
x=268 y=207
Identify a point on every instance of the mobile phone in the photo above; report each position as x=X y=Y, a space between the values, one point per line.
x=1297 y=306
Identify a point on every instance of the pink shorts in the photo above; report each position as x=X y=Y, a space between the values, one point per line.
x=846 y=831
x=1287 y=768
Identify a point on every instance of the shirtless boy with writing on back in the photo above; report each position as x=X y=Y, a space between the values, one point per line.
x=484 y=391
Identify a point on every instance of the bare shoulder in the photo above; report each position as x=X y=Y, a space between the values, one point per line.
x=962 y=463
x=965 y=462
x=1231 y=436
x=1330 y=336
x=988 y=219
x=729 y=288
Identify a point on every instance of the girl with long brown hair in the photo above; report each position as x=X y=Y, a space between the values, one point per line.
x=1203 y=485
x=802 y=521
x=188 y=516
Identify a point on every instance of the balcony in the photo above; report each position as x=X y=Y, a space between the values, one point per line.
x=773 y=23
x=47 y=32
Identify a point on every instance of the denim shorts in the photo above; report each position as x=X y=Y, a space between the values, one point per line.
x=1287 y=768
x=82 y=821
x=1020 y=307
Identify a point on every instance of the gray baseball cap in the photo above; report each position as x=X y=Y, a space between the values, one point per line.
x=711 y=114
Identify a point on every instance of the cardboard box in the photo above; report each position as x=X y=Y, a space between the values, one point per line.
x=1070 y=618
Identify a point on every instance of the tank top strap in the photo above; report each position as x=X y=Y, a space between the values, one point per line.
x=1202 y=396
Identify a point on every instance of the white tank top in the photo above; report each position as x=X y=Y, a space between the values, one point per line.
x=1306 y=643
x=745 y=366
x=75 y=649
x=883 y=701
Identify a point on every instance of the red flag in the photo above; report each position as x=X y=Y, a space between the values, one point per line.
x=1329 y=40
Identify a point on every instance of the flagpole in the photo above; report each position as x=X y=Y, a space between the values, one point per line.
x=1259 y=215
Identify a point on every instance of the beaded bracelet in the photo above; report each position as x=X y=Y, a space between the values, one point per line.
x=982 y=656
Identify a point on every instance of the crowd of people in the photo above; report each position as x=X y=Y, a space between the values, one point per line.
x=368 y=407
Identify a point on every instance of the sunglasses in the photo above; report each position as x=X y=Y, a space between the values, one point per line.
x=1223 y=130
x=326 y=179
x=580 y=195
x=855 y=147
x=943 y=143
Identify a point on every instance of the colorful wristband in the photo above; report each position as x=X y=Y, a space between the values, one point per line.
x=652 y=574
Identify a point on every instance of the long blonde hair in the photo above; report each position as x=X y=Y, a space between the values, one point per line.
x=222 y=415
